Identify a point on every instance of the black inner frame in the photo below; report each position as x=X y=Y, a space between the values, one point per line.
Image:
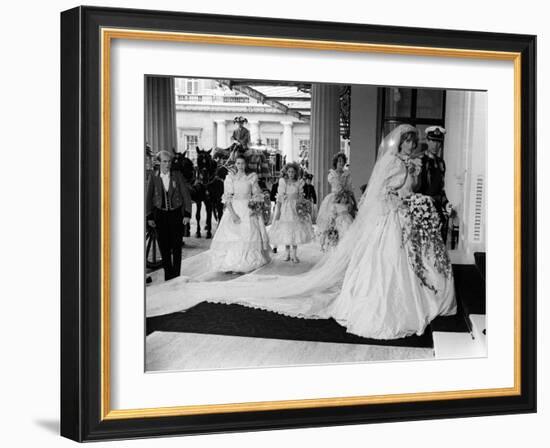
x=81 y=221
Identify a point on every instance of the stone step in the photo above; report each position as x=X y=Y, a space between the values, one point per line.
x=449 y=345
x=479 y=326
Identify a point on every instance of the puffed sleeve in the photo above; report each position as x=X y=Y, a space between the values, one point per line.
x=281 y=192
x=396 y=176
x=332 y=177
x=228 y=189
x=257 y=193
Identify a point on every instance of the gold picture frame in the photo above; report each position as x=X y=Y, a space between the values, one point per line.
x=109 y=29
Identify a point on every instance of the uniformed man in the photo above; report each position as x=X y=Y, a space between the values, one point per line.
x=256 y=160
x=432 y=177
x=241 y=135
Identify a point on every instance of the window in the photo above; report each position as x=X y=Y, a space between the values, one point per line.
x=419 y=107
x=192 y=86
x=188 y=141
x=187 y=86
x=303 y=144
x=303 y=154
x=272 y=142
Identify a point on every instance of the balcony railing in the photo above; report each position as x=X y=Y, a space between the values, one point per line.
x=211 y=99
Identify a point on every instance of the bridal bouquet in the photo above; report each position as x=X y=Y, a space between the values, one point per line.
x=303 y=208
x=256 y=207
x=422 y=232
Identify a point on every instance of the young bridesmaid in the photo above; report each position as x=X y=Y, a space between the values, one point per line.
x=288 y=228
x=336 y=212
x=310 y=195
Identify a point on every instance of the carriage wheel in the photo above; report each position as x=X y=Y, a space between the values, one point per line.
x=152 y=250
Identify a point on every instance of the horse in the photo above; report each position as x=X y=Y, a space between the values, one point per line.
x=208 y=189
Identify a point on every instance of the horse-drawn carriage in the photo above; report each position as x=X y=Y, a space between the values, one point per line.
x=262 y=159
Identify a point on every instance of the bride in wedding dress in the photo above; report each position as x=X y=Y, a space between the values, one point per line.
x=388 y=278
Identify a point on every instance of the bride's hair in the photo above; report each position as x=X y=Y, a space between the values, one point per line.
x=411 y=135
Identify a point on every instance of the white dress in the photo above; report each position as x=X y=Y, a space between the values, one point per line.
x=290 y=229
x=388 y=292
x=332 y=213
x=376 y=282
x=241 y=247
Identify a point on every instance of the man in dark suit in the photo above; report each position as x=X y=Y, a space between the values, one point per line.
x=168 y=209
x=432 y=177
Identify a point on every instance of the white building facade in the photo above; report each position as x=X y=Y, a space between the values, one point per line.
x=205 y=113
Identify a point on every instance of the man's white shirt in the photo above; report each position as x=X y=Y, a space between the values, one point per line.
x=165 y=180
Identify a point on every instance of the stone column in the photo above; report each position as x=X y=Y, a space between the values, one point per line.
x=287 y=142
x=254 y=131
x=324 y=133
x=160 y=113
x=221 y=134
x=363 y=143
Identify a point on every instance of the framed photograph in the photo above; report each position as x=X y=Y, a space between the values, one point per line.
x=278 y=224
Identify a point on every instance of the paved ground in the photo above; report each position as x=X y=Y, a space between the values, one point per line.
x=192 y=246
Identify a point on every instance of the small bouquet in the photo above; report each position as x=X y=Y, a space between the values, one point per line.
x=256 y=207
x=266 y=207
x=330 y=236
x=303 y=208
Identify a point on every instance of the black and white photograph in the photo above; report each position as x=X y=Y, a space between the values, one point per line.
x=299 y=223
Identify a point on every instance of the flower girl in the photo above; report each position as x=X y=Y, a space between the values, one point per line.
x=292 y=222
x=336 y=212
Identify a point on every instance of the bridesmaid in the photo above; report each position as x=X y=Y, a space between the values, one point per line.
x=288 y=228
x=336 y=211
x=241 y=243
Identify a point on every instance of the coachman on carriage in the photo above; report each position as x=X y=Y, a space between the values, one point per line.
x=264 y=161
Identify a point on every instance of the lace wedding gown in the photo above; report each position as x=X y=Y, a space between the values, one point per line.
x=371 y=283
